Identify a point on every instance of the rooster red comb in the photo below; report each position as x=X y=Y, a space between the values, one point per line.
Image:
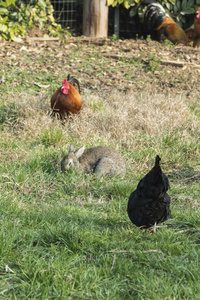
x=198 y=13
x=65 y=87
x=64 y=81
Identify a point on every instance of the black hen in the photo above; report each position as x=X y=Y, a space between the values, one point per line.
x=149 y=203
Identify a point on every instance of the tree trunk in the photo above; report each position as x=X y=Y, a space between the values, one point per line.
x=95 y=18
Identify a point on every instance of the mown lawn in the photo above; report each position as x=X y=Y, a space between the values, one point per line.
x=68 y=236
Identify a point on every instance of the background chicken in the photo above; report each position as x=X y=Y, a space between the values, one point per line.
x=193 y=32
x=149 y=204
x=67 y=98
x=197 y=23
x=161 y=26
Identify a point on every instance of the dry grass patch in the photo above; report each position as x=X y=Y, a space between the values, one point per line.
x=115 y=119
x=145 y=123
x=138 y=125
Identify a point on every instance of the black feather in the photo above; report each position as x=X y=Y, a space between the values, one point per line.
x=74 y=81
x=153 y=17
x=149 y=203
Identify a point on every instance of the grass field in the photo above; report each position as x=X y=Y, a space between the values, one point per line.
x=68 y=236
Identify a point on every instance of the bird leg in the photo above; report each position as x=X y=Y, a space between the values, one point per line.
x=154 y=228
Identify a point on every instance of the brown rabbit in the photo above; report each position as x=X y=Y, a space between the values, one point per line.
x=101 y=160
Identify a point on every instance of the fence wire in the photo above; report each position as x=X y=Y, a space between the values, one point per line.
x=69 y=13
x=65 y=12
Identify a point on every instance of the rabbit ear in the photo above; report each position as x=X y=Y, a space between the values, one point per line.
x=79 y=152
x=71 y=148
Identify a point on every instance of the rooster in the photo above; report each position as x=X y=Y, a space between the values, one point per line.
x=161 y=26
x=149 y=203
x=193 y=32
x=192 y=36
x=197 y=23
x=67 y=98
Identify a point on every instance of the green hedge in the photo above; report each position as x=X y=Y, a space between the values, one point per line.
x=16 y=16
x=182 y=11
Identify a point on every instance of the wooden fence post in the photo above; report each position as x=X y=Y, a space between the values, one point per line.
x=95 y=18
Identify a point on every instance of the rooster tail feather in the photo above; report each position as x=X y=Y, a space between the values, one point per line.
x=74 y=81
x=153 y=16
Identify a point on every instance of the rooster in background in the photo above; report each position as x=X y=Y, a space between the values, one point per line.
x=197 y=23
x=161 y=26
x=193 y=32
x=67 y=98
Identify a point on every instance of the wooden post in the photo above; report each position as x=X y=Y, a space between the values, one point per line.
x=95 y=18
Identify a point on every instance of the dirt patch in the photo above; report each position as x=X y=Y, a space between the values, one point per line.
x=34 y=32
x=102 y=66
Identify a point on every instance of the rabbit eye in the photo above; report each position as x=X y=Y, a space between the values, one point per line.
x=70 y=163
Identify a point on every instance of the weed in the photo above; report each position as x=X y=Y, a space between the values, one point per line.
x=113 y=38
x=152 y=64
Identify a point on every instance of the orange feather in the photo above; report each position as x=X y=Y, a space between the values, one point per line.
x=161 y=26
x=174 y=32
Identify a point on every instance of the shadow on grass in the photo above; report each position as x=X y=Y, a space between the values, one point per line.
x=186 y=174
x=8 y=113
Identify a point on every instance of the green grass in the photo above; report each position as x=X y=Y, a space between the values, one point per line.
x=68 y=236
